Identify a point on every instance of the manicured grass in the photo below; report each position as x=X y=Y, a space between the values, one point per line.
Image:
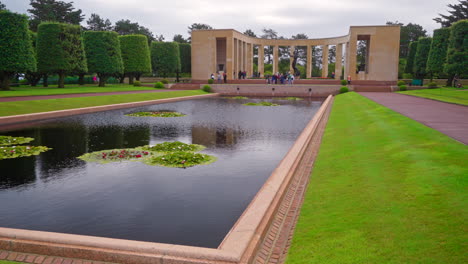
x=384 y=189
x=451 y=95
x=9 y=262
x=69 y=89
x=34 y=106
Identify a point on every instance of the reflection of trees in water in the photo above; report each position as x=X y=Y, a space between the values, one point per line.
x=67 y=143
x=112 y=137
x=16 y=172
x=165 y=131
x=214 y=136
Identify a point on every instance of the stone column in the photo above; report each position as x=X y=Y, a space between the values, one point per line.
x=324 y=61
x=241 y=59
x=291 y=58
x=249 y=59
x=338 y=64
x=352 y=54
x=261 y=60
x=275 y=59
x=234 y=69
x=309 y=62
x=229 y=57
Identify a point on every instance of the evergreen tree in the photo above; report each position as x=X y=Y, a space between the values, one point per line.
x=53 y=10
x=420 y=59
x=457 y=54
x=179 y=39
x=438 y=53
x=135 y=56
x=185 y=51
x=96 y=23
x=459 y=12
x=413 y=47
x=16 y=52
x=250 y=33
x=165 y=57
x=126 y=27
x=2 y=6
x=103 y=54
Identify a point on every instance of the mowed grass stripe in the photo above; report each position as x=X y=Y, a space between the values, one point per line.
x=35 y=106
x=384 y=189
x=450 y=95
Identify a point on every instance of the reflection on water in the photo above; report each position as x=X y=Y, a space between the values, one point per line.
x=197 y=206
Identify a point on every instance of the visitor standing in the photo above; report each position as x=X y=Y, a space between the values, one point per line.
x=219 y=78
x=349 y=79
x=239 y=75
x=225 y=77
x=333 y=75
x=292 y=79
x=94 y=79
x=212 y=77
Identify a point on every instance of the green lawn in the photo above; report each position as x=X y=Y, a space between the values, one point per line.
x=69 y=89
x=9 y=262
x=384 y=189
x=451 y=95
x=26 y=107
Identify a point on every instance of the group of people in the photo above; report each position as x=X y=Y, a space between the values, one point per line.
x=283 y=78
x=221 y=77
x=242 y=74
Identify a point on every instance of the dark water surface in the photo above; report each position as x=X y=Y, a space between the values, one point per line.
x=196 y=206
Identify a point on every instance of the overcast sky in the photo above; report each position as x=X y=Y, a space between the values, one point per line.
x=315 y=18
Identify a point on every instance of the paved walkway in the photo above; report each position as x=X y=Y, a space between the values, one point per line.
x=59 y=96
x=450 y=119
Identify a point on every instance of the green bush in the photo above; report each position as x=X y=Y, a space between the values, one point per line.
x=402 y=87
x=103 y=54
x=159 y=85
x=135 y=55
x=420 y=59
x=207 y=88
x=185 y=51
x=267 y=73
x=165 y=57
x=344 y=89
x=407 y=76
x=344 y=82
x=165 y=81
x=16 y=51
x=410 y=60
x=137 y=83
x=400 y=83
x=438 y=52
x=210 y=81
x=432 y=85
x=458 y=49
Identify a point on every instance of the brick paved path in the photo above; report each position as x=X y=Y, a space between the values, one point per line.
x=450 y=119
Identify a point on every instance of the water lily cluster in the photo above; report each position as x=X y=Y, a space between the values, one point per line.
x=290 y=98
x=9 y=148
x=262 y=104
x=157 y=114
x=168 y=154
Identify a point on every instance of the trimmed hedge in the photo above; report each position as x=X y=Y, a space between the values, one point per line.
x=165 y=57
x=438 y=53
x=16 y=51
x=420 y=59
x=400 y=83
x=207 y=88
x=344 y=82
x=344 y=89
x=103 y=54
x=457 y=54
x=135 y=55
x=60 y=50
x=185 y=51
x=412 y=53
x=402 y=87
x=159 y=85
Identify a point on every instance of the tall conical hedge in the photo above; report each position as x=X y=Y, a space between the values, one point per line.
x=103 y=54
x=16 y=52
x=457 y=54
x=165 y=57
x=60 y=50
x=420 y=59
x=185 y=51
x=135 y=55
x=438 y=53
x=412 y=53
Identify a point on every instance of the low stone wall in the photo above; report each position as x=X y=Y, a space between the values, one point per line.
x=239 y=246
x=276 y=90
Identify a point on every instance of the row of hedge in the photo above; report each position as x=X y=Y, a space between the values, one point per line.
x=63 y=49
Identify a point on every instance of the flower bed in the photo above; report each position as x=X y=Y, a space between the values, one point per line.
x=8 y=141
x=157 y=114
x=112 y=155
x=11 y=152
x=181 y=159
x=262 y=104
x=173 y=147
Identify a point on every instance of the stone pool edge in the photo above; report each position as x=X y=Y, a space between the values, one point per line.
x=239 y=246
x=14 y=119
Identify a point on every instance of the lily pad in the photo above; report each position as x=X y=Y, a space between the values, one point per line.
x=11 y=152
x=157 y=114
x=180 y=159
x=173 y=147
x=114 y=155
x=262 y=104
x=290 y=98
x=8 y=141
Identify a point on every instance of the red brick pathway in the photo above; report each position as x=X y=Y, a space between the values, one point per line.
x=450 y=119
x=39 y=259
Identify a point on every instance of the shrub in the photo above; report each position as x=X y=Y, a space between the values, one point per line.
x=165 y=57
x=420 y=59
x=135 y=55
x=165 y=81
x=16 y=51
x=458 y=49
x=159 y=85
x=344 y=82
x=412 y=53
x=402 y=87
x=185 y=51
x=344 y=89
x=207 y=89
x=432 y=85
x=137 y=83
x=438 y=52
x=400 y=83
x=210 y=81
